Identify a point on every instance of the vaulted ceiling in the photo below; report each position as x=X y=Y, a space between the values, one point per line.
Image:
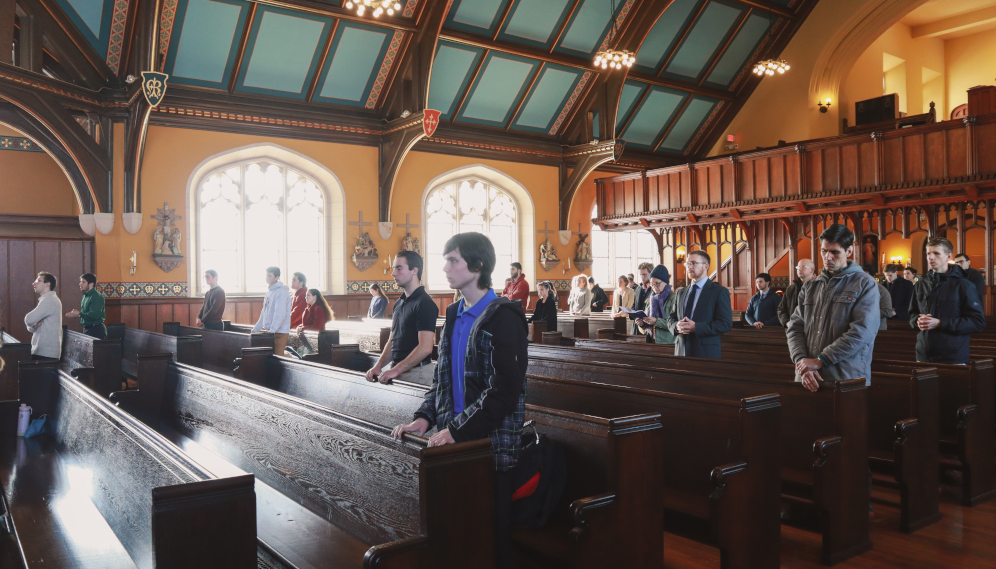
x=511 y=69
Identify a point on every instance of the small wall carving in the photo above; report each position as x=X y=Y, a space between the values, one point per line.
x=364 y=252
x=167 y=252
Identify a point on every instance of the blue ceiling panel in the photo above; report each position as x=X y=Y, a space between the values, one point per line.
x=664 y=34
x=282 y=53
x=92 y=18
x=535 y=22
x=202 y=51
x=710 y=30
x=543 y=104
x=498 y=88
x=594 y=125
x=740 y=49
x=588 y=27
x=450 y=74
x=356 y=54
x=652 y=116
x=478 y=16
x=630 y=93
x=688 y=123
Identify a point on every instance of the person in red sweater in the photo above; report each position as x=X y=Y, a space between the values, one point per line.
x=518 y=289
x=299 y=284
x=317 y=313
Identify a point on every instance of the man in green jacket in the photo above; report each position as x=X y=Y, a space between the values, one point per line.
x=91 y=312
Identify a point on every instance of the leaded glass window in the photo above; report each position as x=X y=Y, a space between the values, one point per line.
x=618 y=253
x=258 y=214
x=468 y=205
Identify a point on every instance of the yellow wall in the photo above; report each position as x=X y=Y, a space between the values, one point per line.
x=865 y=80
x=33 y=183
x=970 y=63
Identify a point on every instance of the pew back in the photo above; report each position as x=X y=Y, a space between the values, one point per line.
x=102 y=356
x=220 y=348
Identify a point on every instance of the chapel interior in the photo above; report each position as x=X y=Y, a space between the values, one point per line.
x=148 y=141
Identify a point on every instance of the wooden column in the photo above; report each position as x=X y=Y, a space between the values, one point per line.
x=7 y=13
x=989 y=257
x=960 y=220
x=29 y=53
x=814 y=243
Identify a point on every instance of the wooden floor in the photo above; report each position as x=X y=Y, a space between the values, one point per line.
x=964 y=539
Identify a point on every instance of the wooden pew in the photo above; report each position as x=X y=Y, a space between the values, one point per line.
x=357 y=496
x=903 y=417
x=102 y=356
x=833 y=422
x=134 y=343
x=371 y=335
x=137 y=500
x=220 y=348
x=611 y=461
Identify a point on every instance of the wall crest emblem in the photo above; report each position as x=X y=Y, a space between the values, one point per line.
x=154 y=86
x=430 y=121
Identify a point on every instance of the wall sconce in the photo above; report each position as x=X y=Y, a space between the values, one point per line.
x=680 y=254
x=824 y=104
x=134 y=261
x=390 y=265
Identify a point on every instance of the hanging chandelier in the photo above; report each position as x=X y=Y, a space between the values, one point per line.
x=377 y=7
x=771 y=66
x=614 y=58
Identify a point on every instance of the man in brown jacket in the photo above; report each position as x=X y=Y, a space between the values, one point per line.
x=214 y=303
x=805 y=270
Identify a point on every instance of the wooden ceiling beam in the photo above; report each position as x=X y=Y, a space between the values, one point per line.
x=670 y=126
x=321 y=61
x=684 y=35
x=470 y=86
x=73 y=50
x=8 y=12
x=504 y=18
x=769 y=6
x=332 y=11
x=240 y=53
x=726 y=44
x=525 y=95
x=562 y=29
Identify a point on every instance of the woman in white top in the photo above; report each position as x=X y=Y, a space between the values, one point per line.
x=623 y=297
x=580 y=300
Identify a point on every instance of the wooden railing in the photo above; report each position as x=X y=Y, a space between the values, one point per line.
x=934 y=163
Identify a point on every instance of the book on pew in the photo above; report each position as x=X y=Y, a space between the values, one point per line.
x=633 y=314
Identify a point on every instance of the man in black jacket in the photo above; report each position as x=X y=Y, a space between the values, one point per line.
x=598 y=297
x=479 y=388
x=901 y=291
x=643 y=293
x=973 y=276
x=945 y=308
x=762 y=310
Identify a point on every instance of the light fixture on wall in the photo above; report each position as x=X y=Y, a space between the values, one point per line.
x=376 y=7
x=679 y=254
x=614 y=58
x=824 y=104
x=134 y=261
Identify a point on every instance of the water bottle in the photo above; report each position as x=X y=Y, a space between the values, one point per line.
x=23 y=418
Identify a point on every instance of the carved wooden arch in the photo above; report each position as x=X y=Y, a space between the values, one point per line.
x=85 y=163
x=589 y=158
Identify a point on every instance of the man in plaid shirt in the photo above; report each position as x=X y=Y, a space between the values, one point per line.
x=479 y=387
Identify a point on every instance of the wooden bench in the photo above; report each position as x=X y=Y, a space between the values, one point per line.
x=101 y=490
x=357 y=497
x=613 y=462
x=832 y=422
x=903 y=416
x=101 y=356
x=220 y=348
x=370 y=335
x=134 y=343
x=967 y=414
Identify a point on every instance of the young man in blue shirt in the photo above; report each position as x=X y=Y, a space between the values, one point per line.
x=479 y=388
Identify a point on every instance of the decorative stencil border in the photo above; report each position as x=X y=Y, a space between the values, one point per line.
x=166 y=28
x=358 y=287
x=19 y=143
x=410 y=8
x=143 y=290
x=385 y=69
x=118 y=19
x=570 y=102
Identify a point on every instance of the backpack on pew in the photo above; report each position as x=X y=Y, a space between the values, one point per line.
x=538 y=479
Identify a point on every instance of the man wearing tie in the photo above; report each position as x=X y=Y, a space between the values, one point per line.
x=701 y=313
x=762 y=310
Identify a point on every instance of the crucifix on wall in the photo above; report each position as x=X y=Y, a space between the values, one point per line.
x=408 y=242
x=364 y=251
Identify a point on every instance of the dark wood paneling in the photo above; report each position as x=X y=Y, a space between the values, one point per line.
x=22 y=274
x=985 y=148
x=868 y=164
x=5 y=311
x=893 y=154
x=147 y=318
x=913 y=158
x=71 y=267
x=957 y=153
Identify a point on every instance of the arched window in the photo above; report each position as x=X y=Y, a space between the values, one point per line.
x=617 y=253
x=259 y=213
x=469 y=204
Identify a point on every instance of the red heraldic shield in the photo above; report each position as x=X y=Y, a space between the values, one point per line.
x=429 y=122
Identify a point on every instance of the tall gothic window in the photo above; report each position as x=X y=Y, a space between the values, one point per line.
x=468 y=205
x=617 y=253
x=257 y=214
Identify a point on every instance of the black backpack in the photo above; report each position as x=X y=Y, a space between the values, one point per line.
x=538 y=479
